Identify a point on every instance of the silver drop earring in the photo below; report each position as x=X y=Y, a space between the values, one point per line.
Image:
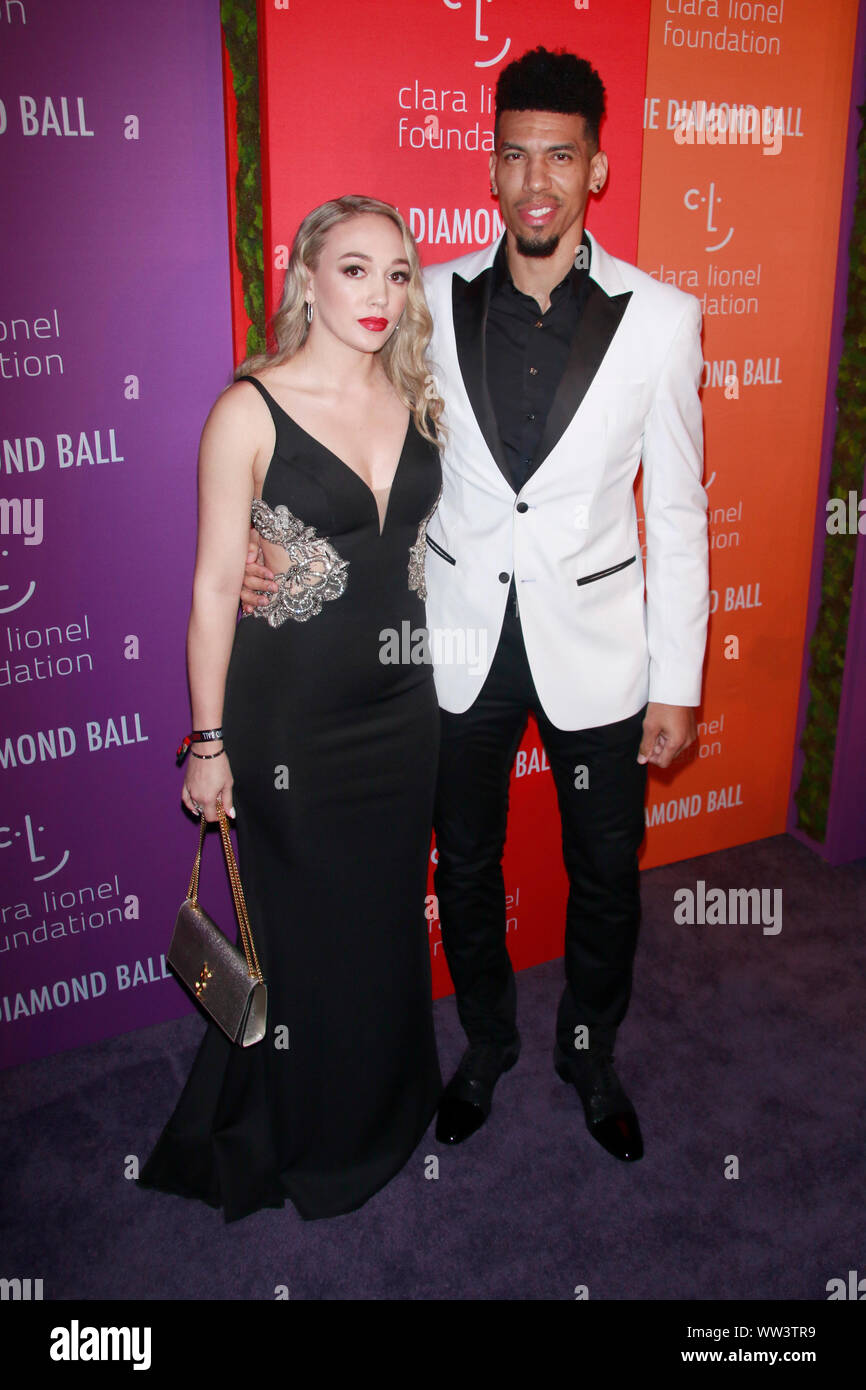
x=309 y=312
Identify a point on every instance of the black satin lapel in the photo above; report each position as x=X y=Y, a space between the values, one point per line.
x=469 y=301
x=599 y=321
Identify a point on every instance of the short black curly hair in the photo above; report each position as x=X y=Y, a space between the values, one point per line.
x=545 y=80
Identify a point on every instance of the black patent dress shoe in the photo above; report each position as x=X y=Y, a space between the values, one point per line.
x=468 y=1097
x=610 y=1116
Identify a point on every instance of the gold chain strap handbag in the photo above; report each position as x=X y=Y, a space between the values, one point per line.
x=226 y=982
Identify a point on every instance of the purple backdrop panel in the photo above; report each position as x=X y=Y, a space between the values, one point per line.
x=114 y=341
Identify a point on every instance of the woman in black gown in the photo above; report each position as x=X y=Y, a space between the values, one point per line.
x=330 y=746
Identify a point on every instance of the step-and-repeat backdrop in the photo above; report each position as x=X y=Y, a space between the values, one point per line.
x=740 y=111
x=726 y=134
x=115 y=338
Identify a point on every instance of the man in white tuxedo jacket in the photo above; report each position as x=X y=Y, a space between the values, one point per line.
x=561 y=369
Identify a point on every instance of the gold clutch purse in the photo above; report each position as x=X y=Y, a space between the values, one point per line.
x=226 y=982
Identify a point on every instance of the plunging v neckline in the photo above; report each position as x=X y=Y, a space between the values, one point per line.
x=348 y=467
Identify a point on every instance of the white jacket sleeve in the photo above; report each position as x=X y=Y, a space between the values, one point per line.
x=675 y=509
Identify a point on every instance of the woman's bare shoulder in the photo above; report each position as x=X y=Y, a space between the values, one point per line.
x=238 y=428
x=240 y=394
x=238 y=406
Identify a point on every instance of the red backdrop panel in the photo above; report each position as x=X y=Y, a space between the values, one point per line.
x=396 y=100
x=240 y=318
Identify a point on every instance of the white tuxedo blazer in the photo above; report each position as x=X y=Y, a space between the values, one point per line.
x=598 y=648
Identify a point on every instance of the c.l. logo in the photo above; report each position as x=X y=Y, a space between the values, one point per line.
x=481 y=38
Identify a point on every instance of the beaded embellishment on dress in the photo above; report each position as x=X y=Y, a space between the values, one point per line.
x=417 y=555
x=315 y=574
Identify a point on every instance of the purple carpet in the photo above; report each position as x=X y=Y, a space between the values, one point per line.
x=739 y=1044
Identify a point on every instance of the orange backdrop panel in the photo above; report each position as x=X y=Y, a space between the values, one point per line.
x=751 y=229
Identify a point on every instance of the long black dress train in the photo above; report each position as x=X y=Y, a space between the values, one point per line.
x=333 y=752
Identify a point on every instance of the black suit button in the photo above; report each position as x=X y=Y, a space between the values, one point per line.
x=523 y=506
x=504 y=578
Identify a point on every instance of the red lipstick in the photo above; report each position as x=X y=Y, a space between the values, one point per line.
x=374 y=325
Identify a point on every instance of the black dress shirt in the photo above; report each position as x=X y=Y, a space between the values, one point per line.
x=526 y=355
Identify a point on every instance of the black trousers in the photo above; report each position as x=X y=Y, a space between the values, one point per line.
x=602 y=827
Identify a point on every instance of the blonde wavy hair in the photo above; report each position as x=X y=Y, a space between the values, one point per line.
x=403 y=356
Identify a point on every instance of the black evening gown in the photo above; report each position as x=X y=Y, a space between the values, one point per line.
x=333 y=752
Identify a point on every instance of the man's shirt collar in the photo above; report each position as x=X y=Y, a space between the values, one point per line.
x=502 y=275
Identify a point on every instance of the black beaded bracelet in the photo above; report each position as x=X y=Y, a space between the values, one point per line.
x=207 y=757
